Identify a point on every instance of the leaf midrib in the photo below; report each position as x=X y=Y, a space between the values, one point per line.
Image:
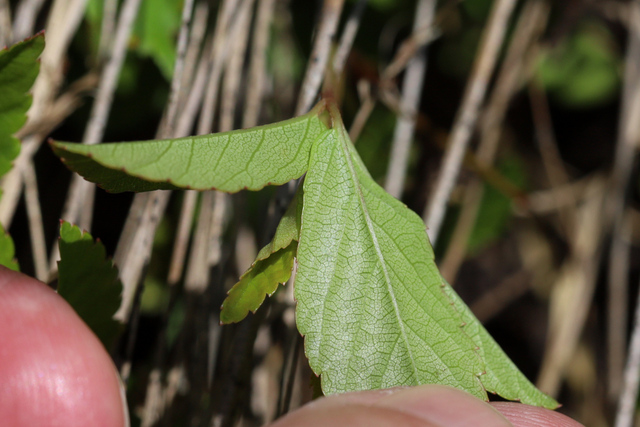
x=343 y=143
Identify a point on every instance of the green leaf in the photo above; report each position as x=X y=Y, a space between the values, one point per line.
x=89 y=282
x=18 y=70
x=156 y=29
x=273 y=266
x=260 y=280
x=7 y=251
x=230 y=161
x=501 y=375
x=372 y=305
x=583 y=70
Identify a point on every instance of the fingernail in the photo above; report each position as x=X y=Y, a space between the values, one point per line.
x=444 y=406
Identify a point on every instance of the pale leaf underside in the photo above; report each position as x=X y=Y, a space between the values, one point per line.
x=371 y=303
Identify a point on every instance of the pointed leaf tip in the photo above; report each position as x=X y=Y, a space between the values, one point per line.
x=230 y=161
x=372 y=305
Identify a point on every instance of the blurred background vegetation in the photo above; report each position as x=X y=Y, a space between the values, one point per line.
x=541 y=229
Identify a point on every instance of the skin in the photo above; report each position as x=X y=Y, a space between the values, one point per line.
x=424 y=406
x=55 y=372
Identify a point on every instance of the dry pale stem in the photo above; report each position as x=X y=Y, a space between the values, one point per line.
x=573 y=289
x=629 y=395
x=467 y=116
x=348 y=36
x=5 y=23
x=531 y=23
x=317 y=64
x=25 y=18
x=36 y=226
x=257 y=63
x=409 y=104
x=79 y=204
x=621 y=173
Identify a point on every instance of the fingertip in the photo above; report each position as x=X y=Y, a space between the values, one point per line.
x=53 y=369
x=521 y=415
x=427 y=405
x=444 y=406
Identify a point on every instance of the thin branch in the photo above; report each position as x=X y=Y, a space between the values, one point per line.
x=192 y=104
x=131 y=269
x=548 y=201
x=290 y=374
x=409 y=49
x=257 y=63
x=197 y=275
x=185 y=121
x=5 y=23
x=501 y=296
x=154 y=402
x=548 y=147
x=467 y=115
x=36 y=226
x=196 y=38
x=218 y=58
x=25 y=18
x=631 y=379
x=62 y=107
x=109 y=13
x=367 y=104
x=206 y=250
x=234 y=66
x=626 y=146
x=130 y=255
x=530 y=25
x=219 y=219
x=573 y=290
x=209 y=230
x=317 y=64
x=348 y=36
x=63 y=21
x=79 y=204
x=409 y=104
x=134 y=248
x=178 y=68
x=109 y=77
x=182 y=237
x=618 y=296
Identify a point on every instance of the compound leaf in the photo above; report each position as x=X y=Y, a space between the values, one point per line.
x=230 y=161
x=89 y=282
x=372 y=305
x=272 y=266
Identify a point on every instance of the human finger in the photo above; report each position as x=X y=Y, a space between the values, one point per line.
x=54 y=371
x=522 y=415
x=423 y=406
